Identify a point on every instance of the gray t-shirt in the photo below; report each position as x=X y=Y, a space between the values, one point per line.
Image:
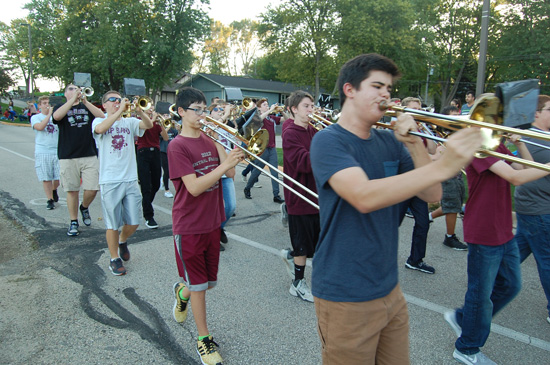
x=356 y=256
x=45 y=141
x=533 y=198
x=116 y=151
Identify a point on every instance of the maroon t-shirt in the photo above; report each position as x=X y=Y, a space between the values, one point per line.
x=150 y=137
x=204 y=213
x=296 y=144
x=269 y=124
x=488 y=218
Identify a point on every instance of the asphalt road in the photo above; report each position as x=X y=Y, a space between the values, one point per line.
x=60 y=304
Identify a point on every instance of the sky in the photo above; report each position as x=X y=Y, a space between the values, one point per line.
x=225 y=11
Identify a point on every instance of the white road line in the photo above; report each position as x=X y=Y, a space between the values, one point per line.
x=504 y=331
x=15 y=153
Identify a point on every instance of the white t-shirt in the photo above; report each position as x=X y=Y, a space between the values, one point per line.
x=116 y=151
x=45 y=141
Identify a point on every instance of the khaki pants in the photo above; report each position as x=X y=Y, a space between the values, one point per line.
x=373 y=332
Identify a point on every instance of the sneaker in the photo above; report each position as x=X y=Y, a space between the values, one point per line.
x=168 y=194
x=450 y=317
x=117 y=268
x=222 y=248
x=244 y=178
x=548 y=319
x=151 y=223
x=208 y=351
x=223 y=236
x=55 y=196
x=420 y=266
x=123 y=251
x=289 y=262
x=180 y=306
x=247 y=193
x=454 y=243
x=50 y=205
x=73 y=229
x=475 y=359
x=409 y=214
x=301 y=290
x=277 y=199
x=85 y=215
x=284 y=215
x=257 y=185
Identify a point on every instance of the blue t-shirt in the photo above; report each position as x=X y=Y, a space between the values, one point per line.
x=356 y=256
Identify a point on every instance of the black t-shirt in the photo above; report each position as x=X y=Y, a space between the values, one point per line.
x=75 y=133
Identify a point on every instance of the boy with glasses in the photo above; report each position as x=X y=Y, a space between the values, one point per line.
x=45 y=150
x=77 y=153
x=120 y=195
x=196 y=167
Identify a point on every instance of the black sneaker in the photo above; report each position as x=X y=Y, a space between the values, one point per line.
x=420 y=266
x=85 y=215
x=151 y=223
x=222 y=248
x=50 y=205
x=116 y=267
x=223 y=236
x=55 y=196
x=247 y=193
x=123 y=251
x=454 y=243
x=73 y=229
x=278 y=199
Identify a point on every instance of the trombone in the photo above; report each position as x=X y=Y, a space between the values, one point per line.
x=318 y=122
x=486 y=114
x=257 y=143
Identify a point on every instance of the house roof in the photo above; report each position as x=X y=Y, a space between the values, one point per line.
x=251 y=84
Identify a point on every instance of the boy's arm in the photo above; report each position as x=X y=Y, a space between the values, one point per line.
x=42 y=125
x=517 y=177
x=198 y=185
x=98 y=113
x=365 y=195
x=107 y=123
x=61 y=112
x=145 y=122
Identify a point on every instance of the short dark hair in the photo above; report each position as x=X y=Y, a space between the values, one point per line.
x=189 y=95
x=470 y=92
x=104 y=99
x=358 y=69
x=296 y=98
x=449 y=109
x=543 y=99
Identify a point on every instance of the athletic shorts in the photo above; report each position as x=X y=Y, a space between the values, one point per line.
x=453 y=195
x=74 y=169
x=304 y=233
x=197 y=257
x=47 y=166
x=121 y=204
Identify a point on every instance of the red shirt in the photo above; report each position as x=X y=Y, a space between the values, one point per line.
x=204 y=213
x=151 y=137
x=488 y=216
x=297 y=165
x=269 y=124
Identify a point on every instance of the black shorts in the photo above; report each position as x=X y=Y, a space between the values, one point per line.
x=304 y=233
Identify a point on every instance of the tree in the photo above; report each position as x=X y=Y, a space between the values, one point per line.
x=216 y=49
x=6 y=81
x=14 y=44
x=244 y=43
x=300 y=33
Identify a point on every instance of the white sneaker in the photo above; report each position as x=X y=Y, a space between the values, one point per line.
x=168 y=194
x=475 y=359
x=301 y=290
x=257 y=185
x=450 y=317
x=289 y=262
x=548 y=319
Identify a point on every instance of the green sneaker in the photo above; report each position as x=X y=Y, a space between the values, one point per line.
x=180 y=306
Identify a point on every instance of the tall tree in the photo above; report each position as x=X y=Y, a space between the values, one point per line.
x=216 y=49
x=244 y=44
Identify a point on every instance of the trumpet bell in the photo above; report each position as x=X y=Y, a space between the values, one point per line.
x=145 y=102
x=88 y=91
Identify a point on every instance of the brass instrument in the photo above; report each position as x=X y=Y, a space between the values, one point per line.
x=247 y=103
x=257 y=143
x=318 y=122
x=144 y=102
x=165 y=122
x=485 y=114
x=173 y=111
x=88 y=91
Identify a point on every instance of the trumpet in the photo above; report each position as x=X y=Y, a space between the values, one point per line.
x=486 y=114
x=88 y=91
x=144 y=102
x=257 y=143
x=165 y=122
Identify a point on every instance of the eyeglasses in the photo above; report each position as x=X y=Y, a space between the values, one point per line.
x=544 y=109
x=198 y=111
x=113 y=99
x=217 y=109
x=72 y=88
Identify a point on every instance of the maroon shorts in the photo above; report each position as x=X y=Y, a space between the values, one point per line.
x=197 y=257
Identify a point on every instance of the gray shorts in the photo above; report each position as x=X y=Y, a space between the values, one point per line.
x=121 y=204
x=453 y=195
x=47 y=166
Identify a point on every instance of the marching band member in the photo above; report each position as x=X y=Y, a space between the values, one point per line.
x=118 y=178
x=196 y=167
x=362 y=174
x=303 y=219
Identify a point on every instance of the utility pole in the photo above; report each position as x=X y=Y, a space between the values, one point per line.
x=483 y=47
